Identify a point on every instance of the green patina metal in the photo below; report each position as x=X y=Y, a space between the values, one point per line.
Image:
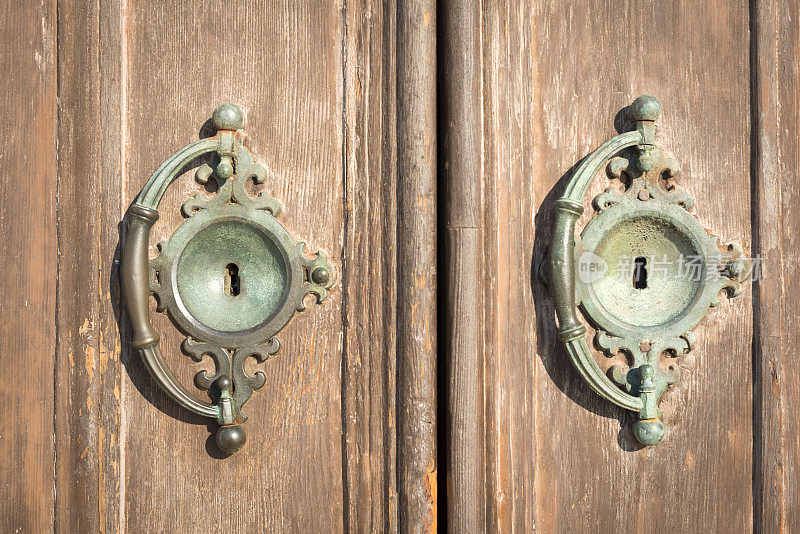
x=679 y=270
x=230 y=277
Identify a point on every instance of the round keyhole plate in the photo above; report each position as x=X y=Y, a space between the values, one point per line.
x=192 y=275
x=678 y=254
x=204 y=266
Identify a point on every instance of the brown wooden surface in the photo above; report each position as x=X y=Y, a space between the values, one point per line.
x=775 y=113
x=88 y=371
x=28 y=248
x=370 y=301
x=417 y=462
x=143 y=77
x=341 y=107
x=282 y=63
x=556 y=74
x=509 y=206
x=461 y=248
x=705 y=460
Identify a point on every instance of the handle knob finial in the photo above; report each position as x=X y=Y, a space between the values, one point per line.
x=646 y=108
x=228 y=117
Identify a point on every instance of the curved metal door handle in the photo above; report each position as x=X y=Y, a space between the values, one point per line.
x=644 y=220
x=230 y=276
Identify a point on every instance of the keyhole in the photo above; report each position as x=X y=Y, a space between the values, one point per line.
x=639 y=273
x=232 y=281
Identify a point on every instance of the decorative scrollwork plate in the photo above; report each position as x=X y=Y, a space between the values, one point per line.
x=644 y=272
x=230 y=277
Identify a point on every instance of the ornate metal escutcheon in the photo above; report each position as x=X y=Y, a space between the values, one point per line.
x=644 y=271
x=230 y=277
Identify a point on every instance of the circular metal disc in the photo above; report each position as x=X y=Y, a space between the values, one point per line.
x=651 y=274
x=230 y=276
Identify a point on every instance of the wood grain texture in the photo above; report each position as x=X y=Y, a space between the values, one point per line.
x=509 y=208
x=341 y=108
x=369 y=269
x=461 y=265
x=703 y=466
x=776 y=403
x=556 y=74
x=416 y=259
x=28 y=249
x=464 y=408
x=282 y=63
x=319 y=95
x=88 y=379
x=145 y=76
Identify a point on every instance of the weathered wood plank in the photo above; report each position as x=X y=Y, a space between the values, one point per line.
x=466 y=500
x=88 y=371
x=509 y=207
x=590 y=472
x=282 y=63
x=125 y=450
x=555 y=78
x=416 y=266
x=369 y=277
x=29 y=250
x=461 y=242
x=322 y=447
x=775 y=105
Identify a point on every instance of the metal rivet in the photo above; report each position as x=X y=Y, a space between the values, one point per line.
x=225 y=168
x=320 y=276
x=224 y=382
x=231 y=438
x=644 y=194
x=648 y=431
x=735 y=268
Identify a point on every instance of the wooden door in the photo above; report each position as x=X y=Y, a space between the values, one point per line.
x=530 y=446
x=103 y=92
x=422 y=146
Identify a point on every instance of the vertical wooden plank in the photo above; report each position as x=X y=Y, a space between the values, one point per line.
x=556 y=74
x=369 y=269
x=282 y=63
x=128 y=458
x=462 y=237
x=416 y=265
x=88 y=378
x=774 y=113
x=29 y=248
x=591 y=60
x=509 y=208
x=466 y=500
